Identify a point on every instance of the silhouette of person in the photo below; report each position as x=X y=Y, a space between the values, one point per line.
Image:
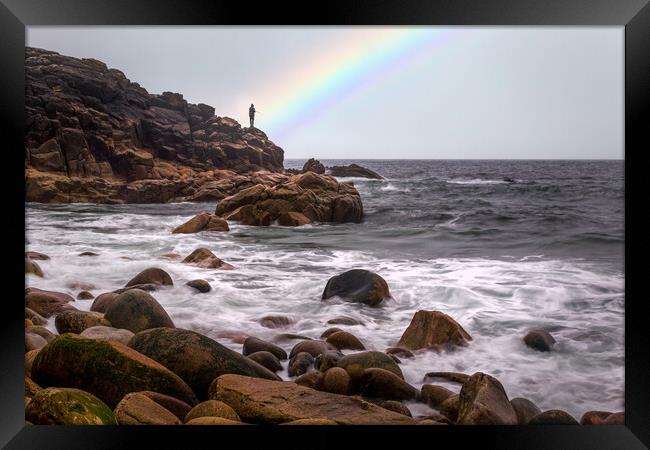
x=251 y=115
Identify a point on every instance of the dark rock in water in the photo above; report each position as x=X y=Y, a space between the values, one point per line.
x=200 y=285
x=594 y=417
x=202 y=257
x=148 y=287
x=212 y=408
x=380 y=383
x=85 y=295
x=449 y=376
x=313 y=165
x=203 y=222
x=197 y=359
x=138 y=409
x=343 y=320
x=329 y=331
x=152 y=275
x=313 y=347
x=327 y=360
x=357 y=285
x=335 y=381
x=525 y=409
x=88 y=254
x=483 y=401
x=449 y=408
x=431 y=329
x=102 y=301
x=135 y=310
x=395 y=406
x=35 y=317
x=32 y=267
x=253 y=345
x=343 y=340
x=553 y=417
x=266 y=359
x=67 y=406
x=356 y=363
x=509 y=180
x=47 y=303
x=106 y=369
x=434 y=395
x=309 y=379
x=400 y=351
x=78 y=321
x=540 y=340
x=36 y=256
x=108 y=333
x=275 y=321
x=300 y=363
x=353 y=170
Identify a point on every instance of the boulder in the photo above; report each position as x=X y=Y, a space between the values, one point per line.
x=197 y=359
x=31 y=388
x=483 y=401
x=399 y=351
x=592 y=417
x=212 y=408
x=266 y=359
x=253 y=345
x=329 y=331
x=431 y=329
x=300 y=363
x=107 y=333
x=275 y=321
x=175 y=406
x=47 y=303
x=78 y=321
x=213 y=421
x=454 y=377
x=617 y=418
x=309 y=379
x=539 y=340
x=553 y=417
x=106 y=369
x=102 y=301
x=313 y=165
x=33 y=268
x=380 y=383
x=34 y=342
x=264 y=401
x=395 y=406
x=434 y=395
x=152 y=275
x=525 y=409
x=135 y=310
x=202 y=222
x=327 y=360
x=335 y=381
x=293 y=219
x=204 y=258
x=311 y=422
x=313 y=347
x=342 y=340
x=138 y=409
x=355 y=364
x=449 y=408
x=359 y=286
x=36 y=256
x=41 y=331
x=200 y=285
x=35 y=317
x=88 y=254
x=85 y=295
x=353 y=170
x=67 y=406
x=30 y=356
x=344 y=320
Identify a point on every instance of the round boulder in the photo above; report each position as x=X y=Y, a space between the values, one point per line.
x=300 y=363
x=175 y=406
x=212 y=408
x=254 y=345
x=380 y=383
x=309 y=379
x=102 y=301
x=327 y=360
x=266 y=359
x=335 y=381
x=34 y=342
x=35 y=317
x=136 y=310
x=434 y=395
x=47 y=303
x=85 y=295
x=151 y=275
x=138 y=409
x=342 y=340
x=68 y=406
x=107 y=333
x=553 y=417
x=356 y=363
x=313 y=347
x=78 y=321
x=539 y=340
x=525 y=409
x=200 y=285
x=395 y=406
x=359 y=286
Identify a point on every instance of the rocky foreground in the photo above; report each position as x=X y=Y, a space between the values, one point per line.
x=124 y=362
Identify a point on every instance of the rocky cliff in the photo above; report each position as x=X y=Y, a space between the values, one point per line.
x=92 y=135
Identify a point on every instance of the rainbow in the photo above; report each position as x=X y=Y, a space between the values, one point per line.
x=308 y=91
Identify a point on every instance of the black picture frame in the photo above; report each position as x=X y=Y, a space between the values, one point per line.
x=15 y=15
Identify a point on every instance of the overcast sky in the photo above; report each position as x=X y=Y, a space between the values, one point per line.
x=385 y=92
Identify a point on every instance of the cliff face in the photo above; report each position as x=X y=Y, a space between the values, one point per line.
x=93 y=135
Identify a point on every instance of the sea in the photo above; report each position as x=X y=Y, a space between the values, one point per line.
x=500 y=257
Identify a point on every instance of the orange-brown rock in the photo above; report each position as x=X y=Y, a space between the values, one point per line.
x=202 y=257
x=203 y=221
x=47 y=303
x=431 y=329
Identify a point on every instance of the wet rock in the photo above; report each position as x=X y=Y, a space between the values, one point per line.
x=34 y=342
x=47 y=303
x=135 y=310
x=615 y=419
x=328 y=332
x=525 y=409
x=107 y=369
x=395 y=406
x=454 y=377
x=313 y=347
x=395 y=358
x=309 y=379
x=433 y=328
x=200 y=285
x=151 y=275
x=204 y=258
x=35 y=317
x=212 y=408
x=540 y=340
x=285 y=337
x=593 y=417
x=197 y=359
x=342 y=340
x=253 y=345
x=357 y=363
x=399 y=351
x=430 y=422
x=266 y=359
x=88 y=254
x=213 y=421
x=78 y=321
x=327 y=360
x=33 y=268
x=31 y=388
x=202 y=222
x=293 y=219
x=41 y=331
x=449 y=408
x=483 y=401
x=29 y=361
x=147 y=287
x=67 y=406
x=264 y=401
x=434 y=395
x=553 y=417
x=85 y=295
x=353 y=170
x=36 y=256
x=313 y=165
x=359 y=286
x=380 y=383
x=108 y=333
x=102 y=301
x=344 y=320
x=311 y=422
x=300 y=363
x=175 y=406
x=138 y=409
x=335 y=381
x=275 y=321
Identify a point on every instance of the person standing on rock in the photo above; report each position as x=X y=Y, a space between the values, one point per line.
x=251 y=115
